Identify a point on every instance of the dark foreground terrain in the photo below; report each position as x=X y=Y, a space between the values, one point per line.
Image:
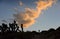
x=11 y=32
x=50 y=34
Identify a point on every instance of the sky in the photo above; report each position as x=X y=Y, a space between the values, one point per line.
x=49 y=18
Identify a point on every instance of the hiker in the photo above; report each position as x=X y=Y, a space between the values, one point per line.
x=22 y=27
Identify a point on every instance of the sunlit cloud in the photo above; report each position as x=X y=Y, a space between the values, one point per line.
x=28 y=17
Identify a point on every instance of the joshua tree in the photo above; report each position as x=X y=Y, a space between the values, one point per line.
x=14 y=26
x=4 y=27
x=1 y=29
x=17 y=28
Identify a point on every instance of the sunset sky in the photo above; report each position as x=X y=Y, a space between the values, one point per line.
x=49 y=18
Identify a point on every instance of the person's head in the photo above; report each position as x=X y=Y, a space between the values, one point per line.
x=21 y=25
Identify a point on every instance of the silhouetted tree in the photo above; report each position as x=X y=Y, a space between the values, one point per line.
x=10 y=26
x=4 y=27
x=1 y=28
x=14 y=26
x=17 y=28
x=51 y=30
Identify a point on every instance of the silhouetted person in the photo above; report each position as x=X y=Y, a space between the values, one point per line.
x=22 y=27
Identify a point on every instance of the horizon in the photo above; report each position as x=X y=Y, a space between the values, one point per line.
x=49 y=18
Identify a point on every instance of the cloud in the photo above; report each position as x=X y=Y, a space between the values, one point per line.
x=21 y=4
x=29 y=16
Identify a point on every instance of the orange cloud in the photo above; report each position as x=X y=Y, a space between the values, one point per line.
x=28 y=17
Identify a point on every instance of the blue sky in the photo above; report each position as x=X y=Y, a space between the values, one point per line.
x=49 y=18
